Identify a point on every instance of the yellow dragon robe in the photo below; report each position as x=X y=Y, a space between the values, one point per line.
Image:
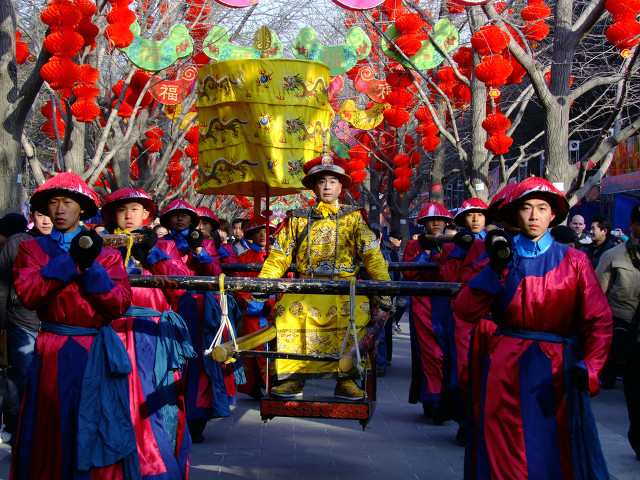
x=324 y=245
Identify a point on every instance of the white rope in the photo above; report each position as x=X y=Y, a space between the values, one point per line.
x=225 y=323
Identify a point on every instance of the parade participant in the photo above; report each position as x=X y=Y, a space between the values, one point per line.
x=327 y=241
x=156 y=340
x=254 y=313
x=210 y=224
x=75 y=415
x=427 y=319
x=619 y=275
x=471 y=218
x=239 y=243
x=553 y=336
x=208 y=394
x=22 y=324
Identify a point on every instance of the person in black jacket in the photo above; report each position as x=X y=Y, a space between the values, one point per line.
x=22 y=324
x=601 y=229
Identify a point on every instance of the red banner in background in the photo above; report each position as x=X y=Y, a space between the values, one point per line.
x=626 y=158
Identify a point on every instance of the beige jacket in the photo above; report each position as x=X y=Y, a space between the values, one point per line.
x=620 y=280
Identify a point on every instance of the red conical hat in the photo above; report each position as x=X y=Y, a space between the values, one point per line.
x=179 y=205
x=470 y=205
x=434 y=210
x=328 y=163
x=126 y=195
x=67 y=184
x=207 y=213
x=256 y=223
x=535 y=187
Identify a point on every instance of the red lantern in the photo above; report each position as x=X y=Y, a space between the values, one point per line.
x=408 y=23
x=498 y=144
x=408 y=44
x=402 y=160
x=399 y=79
x=402 y=172
x=85 y=110
x=536 y=11
x=493 y=70
x=396 y=117
x=193 y=134
x=624 y=33
x=535 y=31
x=358 y=176
x=60 y=72
x=620 y=9
x=429 y=144
x=119 y=35
x=490 y=39
x=496 y=123
x=399 y=97
x=423 y=115
x=402 y=185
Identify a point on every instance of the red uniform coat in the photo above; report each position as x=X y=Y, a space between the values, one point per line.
x=209 y=390
x=427 y=317
x=548 y=291
x=46 y=279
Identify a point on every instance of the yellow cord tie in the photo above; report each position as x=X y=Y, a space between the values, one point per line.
x=129 y=244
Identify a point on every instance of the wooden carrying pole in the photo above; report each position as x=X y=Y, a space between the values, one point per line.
x=285 y=285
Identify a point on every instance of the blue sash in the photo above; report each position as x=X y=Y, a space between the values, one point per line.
x=588 y=459
x=105 y=431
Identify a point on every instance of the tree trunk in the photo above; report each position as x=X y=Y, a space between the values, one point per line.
x=479 y=156
x=559 y=171
x=12 y=194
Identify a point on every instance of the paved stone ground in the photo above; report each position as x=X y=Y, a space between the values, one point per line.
x=399 y=443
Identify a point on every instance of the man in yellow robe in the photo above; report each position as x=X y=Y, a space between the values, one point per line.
x=326 y=241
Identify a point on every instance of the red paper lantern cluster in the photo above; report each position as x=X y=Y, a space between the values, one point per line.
x=191 y=150
x=496 y=125
x=398 y=97
x=84 y=109
x=22 y=49
x=408 y=25
x=85 y=27
x=120 y=18
x=48 y=127
x=402 y=173
x=62 y=16
x=534 y=14
x=136 y=85
x=625 y=31
x=174 y=170
x=493 y=71
x=360 y=160
x=153 y=143
x=244 y=202
x=446 y=80
x=427 y=130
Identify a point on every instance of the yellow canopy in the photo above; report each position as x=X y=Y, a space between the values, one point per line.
x=260 y=122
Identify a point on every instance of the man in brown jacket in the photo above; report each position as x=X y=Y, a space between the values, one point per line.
x=619 y=275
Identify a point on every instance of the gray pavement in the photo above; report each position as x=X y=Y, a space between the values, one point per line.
x=398 y=443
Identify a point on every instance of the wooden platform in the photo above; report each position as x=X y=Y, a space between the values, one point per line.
x=317 y=407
